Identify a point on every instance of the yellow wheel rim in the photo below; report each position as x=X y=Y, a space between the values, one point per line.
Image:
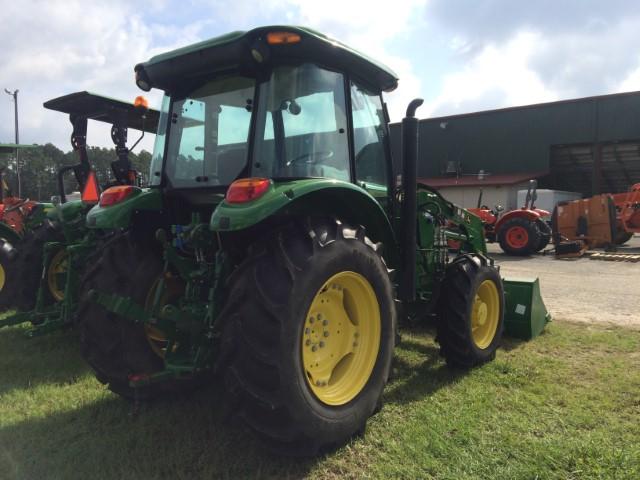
x=173 y=289
x=341 y=338
x=485 y=313
x=2 y=277
x=57 y=275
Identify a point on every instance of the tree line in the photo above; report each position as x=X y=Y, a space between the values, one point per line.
x=39 y=169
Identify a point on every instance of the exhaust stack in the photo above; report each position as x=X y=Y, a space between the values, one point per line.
x=409 y=210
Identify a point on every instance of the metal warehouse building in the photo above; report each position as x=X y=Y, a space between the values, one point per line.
x=586 y=145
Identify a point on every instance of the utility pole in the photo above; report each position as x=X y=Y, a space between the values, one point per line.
x=14 y=94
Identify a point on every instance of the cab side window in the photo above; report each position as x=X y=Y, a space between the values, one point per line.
x=369 y=131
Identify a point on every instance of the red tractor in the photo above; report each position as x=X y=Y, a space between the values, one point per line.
x=519 y=232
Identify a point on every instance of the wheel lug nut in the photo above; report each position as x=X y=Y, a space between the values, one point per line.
x=319 y=316
x=356 y=334
x=319 y=383
x=325 y=322
x=355 y=344
x=326 y=334
x=314 y=348
x=321 y=344
x=311 y=319
x=306 y=331
x=308 y=342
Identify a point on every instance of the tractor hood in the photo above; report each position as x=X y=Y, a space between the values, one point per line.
x=252 y=50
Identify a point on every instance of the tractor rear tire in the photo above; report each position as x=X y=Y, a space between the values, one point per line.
x=274 y=331
x=24 y=269
x=5 y=297
x=519 y=236
x=117 y=348
x=545 y=234
x=471 y=312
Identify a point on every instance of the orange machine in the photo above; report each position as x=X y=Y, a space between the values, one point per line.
x=587 y=223
x=627 y=214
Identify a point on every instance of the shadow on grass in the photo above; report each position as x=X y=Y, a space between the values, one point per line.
x=29 y=362
x=411 y=382
x=186 y=437
x=511 y=343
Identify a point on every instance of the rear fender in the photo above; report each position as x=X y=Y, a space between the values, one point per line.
x=312 y=197
x=530 y=215
x=120 y=214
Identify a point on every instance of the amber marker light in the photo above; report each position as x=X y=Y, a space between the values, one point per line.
x=282 y=38
x=141 y=102
x=247 y=189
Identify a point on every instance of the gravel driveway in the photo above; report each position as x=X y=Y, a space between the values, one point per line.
x=581 y=289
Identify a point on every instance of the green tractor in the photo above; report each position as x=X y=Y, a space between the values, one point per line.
x=47 y=265
x=273 y=253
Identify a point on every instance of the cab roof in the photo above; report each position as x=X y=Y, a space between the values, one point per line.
x=169 y=70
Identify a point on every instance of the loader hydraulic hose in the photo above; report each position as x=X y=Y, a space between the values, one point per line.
x=407 y=290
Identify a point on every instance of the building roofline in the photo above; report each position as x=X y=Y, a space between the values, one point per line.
x=532 y=106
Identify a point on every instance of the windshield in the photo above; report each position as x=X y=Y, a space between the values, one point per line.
x=300 y=129
x=209 y=133
x=301 y=125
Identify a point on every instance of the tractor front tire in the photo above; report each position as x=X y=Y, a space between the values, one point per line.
x=471 y=312
x=545 y=234
x=116 y=348
x=308 y=336
x=519 y=236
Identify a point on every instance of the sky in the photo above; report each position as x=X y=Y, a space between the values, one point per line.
x=460 y=56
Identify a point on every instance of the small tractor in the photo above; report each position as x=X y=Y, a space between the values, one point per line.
x=272 y=253
x=520 y=232
x=47 y=264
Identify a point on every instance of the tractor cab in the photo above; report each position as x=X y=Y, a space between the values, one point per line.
x=82 y=106
x=269 y=105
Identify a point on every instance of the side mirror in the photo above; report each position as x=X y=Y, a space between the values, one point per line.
x=499 y=208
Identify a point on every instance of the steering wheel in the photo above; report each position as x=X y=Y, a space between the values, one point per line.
x=312 y=157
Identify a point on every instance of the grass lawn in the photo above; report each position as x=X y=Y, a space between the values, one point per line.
x=566 y=405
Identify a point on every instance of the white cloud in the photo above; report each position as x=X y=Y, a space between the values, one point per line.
x=632 y=82
x=59 y=47
x=496 y=74
x=370 y=26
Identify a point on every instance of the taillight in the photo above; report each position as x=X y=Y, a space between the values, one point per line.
x=114 y=195
x=247 y=189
